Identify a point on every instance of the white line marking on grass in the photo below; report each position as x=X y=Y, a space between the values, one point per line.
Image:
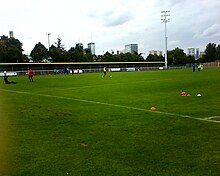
x=212 y=117
x=114 y=105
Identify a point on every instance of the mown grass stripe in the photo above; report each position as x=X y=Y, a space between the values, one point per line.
x=208 y=119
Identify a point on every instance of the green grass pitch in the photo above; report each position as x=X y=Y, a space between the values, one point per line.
x=84 y=124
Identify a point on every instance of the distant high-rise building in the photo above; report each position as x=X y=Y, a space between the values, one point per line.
x=193 y=52
x=91 y=46
x=156 y=52
x=131 y=48
x=11 y=34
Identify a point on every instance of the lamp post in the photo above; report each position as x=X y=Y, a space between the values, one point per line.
x=165 y=20
x=48 y=35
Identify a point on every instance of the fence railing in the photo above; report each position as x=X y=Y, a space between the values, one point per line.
x=39 y=71
x=212 y=64
x=78 y=71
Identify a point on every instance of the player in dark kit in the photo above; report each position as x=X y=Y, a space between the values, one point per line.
x=194 y=67
x=8 y=82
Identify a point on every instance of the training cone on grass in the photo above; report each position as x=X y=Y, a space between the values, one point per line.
x=199 y=95
x=152 y=108
x=183 y=93
x=188 y=95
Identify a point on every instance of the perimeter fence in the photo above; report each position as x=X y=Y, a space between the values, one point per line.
x=77 y=68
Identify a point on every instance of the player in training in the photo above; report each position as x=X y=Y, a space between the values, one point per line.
x=104 y=71
x=30 y=75
x=8 y=82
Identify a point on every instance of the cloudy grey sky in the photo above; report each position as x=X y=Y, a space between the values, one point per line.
x=111 y=24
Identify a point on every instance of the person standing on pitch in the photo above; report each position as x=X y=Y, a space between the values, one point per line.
x=194 y=67
x=5 y=73
x=199 y=67
x=30 y=75
x=104 y=71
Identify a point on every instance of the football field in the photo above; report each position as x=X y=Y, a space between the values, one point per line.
x=84 y=124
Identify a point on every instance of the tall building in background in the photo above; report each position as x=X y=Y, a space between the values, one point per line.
x=91 y=46
x=193 y=52
x=131 y=48
x=11 y=34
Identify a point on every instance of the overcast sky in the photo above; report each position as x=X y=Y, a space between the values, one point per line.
x=111 y=24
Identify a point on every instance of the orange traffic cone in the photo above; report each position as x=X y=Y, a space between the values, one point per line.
x=183 y=94
x=152 y=108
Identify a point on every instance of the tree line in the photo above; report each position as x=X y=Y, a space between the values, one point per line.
x=57 y=53
x=11 y=51
x=174 y=57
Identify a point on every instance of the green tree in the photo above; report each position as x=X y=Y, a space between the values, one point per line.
x=79 y=47
x=202 y=59
x=39 y=53
x=154 y=57
x=58 y=54
x=3 y=51
x=108 y=57
x=123 y=57
x=79 y=54
x=88 y=55
x=16 y=43
x=190 y=59
x=14 y=54
x=210 y=52
x=218 y=52
x=71 y=54
x=178 y=57
x=10 y=50
x=75 y=54
x=59 y=44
